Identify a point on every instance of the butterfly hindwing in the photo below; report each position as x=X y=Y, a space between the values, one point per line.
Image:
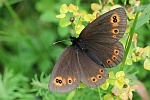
x=92 y=74
x=65 y=76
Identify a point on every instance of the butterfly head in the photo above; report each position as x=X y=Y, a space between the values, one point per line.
x=74 y=40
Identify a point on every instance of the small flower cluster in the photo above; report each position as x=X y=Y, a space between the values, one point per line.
x=121 y=90
x=71 y=14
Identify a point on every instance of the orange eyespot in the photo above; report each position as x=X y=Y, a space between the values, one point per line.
x=75 y=79
x=108 y=61
x=113 y=36
x=98 y=76
x=70 y=80
x=115 y=31
x=101 y=71
x=93 y=79
x=114 y=57
x=116 y=52
x=58 y=81
x=115 y=19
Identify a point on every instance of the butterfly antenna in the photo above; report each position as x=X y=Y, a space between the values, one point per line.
x=60 y=41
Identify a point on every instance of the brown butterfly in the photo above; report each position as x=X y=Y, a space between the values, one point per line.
x=96 y=48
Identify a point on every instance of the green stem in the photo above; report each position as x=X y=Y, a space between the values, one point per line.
x=100 y=96
x=129 y=41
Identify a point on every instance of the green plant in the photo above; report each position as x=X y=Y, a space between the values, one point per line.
x=28 y=30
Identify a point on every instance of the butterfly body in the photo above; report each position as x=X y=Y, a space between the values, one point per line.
x=80 y=45
x=96 y=48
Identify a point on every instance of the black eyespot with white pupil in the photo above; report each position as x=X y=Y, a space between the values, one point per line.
x=114 y=19
x=58 y=81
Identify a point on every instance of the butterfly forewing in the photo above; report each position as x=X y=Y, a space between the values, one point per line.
x=66 y=73
x=107 y=28
x=102 y=37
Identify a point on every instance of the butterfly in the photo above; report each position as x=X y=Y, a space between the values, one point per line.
x=96 y=48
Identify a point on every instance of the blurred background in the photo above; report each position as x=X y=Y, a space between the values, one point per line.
x=28 y=29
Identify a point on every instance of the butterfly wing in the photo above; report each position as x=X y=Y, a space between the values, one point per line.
x=102 y=37
x=92 y=74
x=66 y=73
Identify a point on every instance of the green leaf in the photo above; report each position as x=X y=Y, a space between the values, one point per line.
x=128 y=43
x=71 y=95
x=144 y=17
x=64 y=22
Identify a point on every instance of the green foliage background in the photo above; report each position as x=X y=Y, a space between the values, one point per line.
x=28 y=29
